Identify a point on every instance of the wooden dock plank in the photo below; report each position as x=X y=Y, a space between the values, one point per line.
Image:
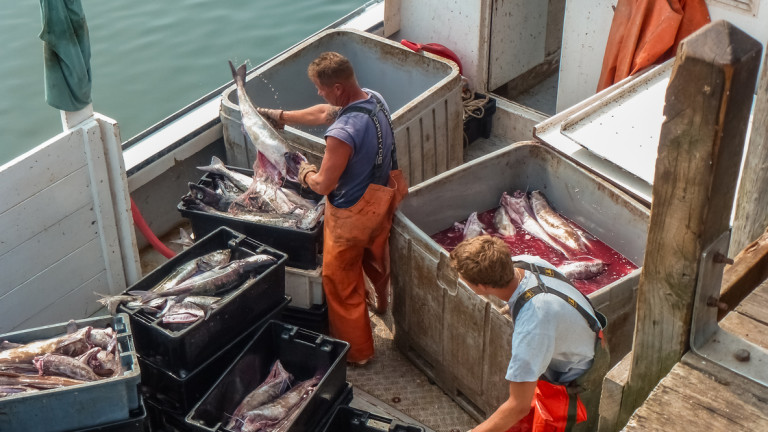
x=690 y=399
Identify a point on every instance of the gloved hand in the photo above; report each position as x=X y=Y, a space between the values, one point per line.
x=274 y=116
x=304 y=169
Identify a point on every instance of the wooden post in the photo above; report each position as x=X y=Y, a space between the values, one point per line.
x=751 y=213
x=706 y=111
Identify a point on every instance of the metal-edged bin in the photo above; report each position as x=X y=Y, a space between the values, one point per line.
x=423 y=92
x=182 y=348
x=303 y=353
x=461 y=340
x=81 y=406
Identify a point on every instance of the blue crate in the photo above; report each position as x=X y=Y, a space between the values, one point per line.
x=80 y=406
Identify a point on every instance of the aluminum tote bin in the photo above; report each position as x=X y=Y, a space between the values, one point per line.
x=460 y=339
x=422 y=90
x=303 y=353
x=182 y=348
x=81 y=406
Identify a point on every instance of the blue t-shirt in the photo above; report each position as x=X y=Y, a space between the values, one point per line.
x=550 y=338
x=359 y=132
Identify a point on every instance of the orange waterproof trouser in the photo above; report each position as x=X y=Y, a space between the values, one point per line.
x=356 y=241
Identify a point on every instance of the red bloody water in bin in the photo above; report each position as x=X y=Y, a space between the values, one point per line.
x=523 y=243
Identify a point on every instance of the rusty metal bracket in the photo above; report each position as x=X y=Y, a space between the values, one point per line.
x=710 y=341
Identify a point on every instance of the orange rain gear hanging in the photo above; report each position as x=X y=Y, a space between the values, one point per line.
x=644 y=32
x=356 y=240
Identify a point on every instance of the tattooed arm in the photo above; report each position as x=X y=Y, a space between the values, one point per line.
x=322 y=114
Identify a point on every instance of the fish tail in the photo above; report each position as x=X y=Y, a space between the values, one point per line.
x=238 y=74
x=146 y=296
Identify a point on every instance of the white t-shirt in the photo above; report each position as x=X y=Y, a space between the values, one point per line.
x=550 y=337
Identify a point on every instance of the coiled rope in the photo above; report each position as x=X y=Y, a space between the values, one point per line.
x=472 y=107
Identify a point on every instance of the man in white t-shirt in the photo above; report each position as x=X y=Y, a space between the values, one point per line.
x=555 y=335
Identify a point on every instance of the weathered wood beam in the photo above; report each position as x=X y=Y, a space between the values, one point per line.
x=706 y=111
x=749 y=269
x=751 y=212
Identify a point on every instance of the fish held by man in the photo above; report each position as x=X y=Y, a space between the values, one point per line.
x=265 y=138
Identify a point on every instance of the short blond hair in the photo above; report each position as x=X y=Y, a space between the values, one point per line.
x=484 y=260
x=330 y=68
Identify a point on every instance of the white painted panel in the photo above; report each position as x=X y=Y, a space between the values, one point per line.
x=45 y=249
x=585 y=34
x=460 y=25
x=40 y=168
x=518 y=39
x=77 y=304
x=46 y=288
x=44 y=209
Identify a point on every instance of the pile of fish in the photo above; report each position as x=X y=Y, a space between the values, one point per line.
x=192 y=291
x=274 y=404
x=80 y=356
x=540 y=220
x=253 y=199
x=261 y=199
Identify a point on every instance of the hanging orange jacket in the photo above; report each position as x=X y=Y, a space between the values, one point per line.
x=645 y=32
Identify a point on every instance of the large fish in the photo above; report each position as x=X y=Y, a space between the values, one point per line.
x=57 y=364
x=213 y=281
x=265 y=138
x=71 y=344
x=241 y=181
x=519 y=209
x=276 y=383
x=555 y=225
x=272 y=414
x=582 y=269
x=285 y=221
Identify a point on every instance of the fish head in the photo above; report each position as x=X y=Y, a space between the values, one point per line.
x=204 y=195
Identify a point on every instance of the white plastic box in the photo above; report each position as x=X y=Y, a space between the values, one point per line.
x=423 y=93
x=304 y=286
x=461 y=340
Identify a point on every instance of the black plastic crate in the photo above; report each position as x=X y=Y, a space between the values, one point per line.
x=180 y=393
x=348 y=419
x=343 y=400
x=182 y=348
x=314 y=318
x=476 y=127
x=303 y=353
x=162 y=419
x=301 y=246
x=137 y=422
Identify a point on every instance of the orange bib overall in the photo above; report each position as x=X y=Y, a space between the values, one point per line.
x=356 y=240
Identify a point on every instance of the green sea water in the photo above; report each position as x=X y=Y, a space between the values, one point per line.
x=150 y=58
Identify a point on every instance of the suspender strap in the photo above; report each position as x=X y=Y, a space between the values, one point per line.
x=528 y=294
x=373 y=114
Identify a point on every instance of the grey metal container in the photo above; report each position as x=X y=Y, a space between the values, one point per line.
x=461 y=340
x=423 y=93
x=81 y=406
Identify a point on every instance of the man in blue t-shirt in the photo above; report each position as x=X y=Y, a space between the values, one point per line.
x=360 y=177
x=554 y=336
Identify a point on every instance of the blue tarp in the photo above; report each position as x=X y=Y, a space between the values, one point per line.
x=67 y=54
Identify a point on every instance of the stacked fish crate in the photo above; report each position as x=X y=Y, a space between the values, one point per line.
x=180 y=361
x=303 y=246
x=99 y=392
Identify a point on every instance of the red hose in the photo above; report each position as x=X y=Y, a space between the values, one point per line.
x=141 y=224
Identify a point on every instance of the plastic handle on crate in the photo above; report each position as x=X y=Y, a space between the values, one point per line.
x=306 y=337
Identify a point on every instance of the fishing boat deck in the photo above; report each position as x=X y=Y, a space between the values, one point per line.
x=700 y=395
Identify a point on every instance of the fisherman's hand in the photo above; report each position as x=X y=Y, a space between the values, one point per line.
x=274 y=116
x=304 y=169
